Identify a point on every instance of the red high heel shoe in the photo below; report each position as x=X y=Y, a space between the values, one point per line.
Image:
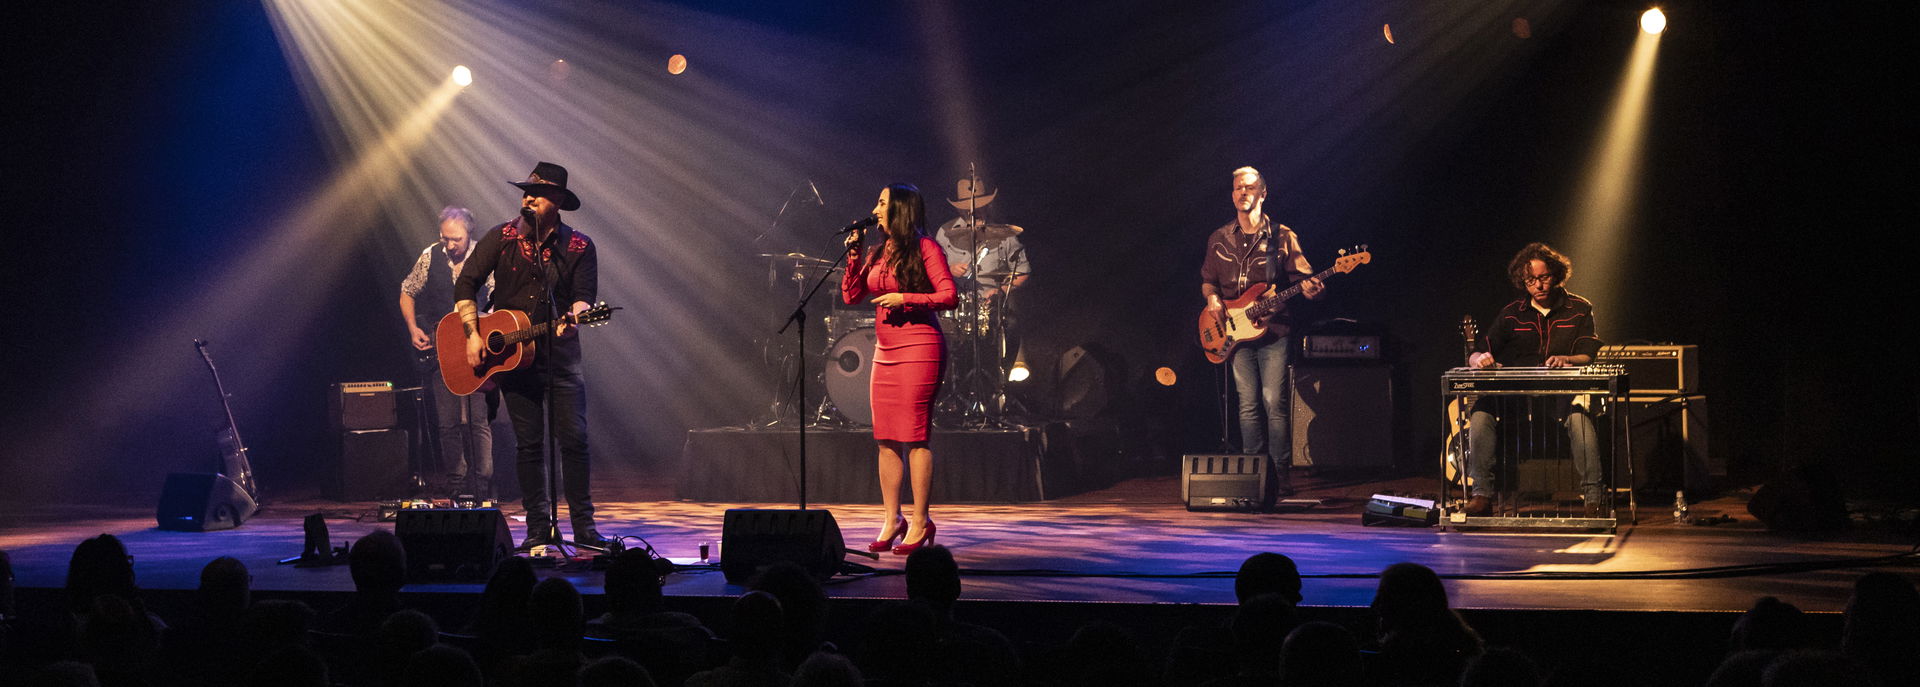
x=906 y=549
x=899 y=533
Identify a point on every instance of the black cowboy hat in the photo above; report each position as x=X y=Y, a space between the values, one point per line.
x=551 y=180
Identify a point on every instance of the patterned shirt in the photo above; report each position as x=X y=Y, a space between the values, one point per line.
x=417 y=278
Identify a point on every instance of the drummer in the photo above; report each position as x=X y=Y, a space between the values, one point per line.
x=987 y=254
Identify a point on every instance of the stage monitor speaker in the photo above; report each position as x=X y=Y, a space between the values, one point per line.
x=460 y=543
x=1343 y=417
x=751 y=538
x=363 y=405
x=1224 y=482
x=372 y=465
x=1802 y=498
x=203 y=501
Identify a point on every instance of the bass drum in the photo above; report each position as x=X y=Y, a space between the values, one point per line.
x=849 y=372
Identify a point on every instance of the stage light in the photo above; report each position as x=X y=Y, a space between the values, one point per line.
x=1603 y=215
x=676 y=64
x=462 y=76
x=1165 y=376
x=1522 y=29
x=1387 y=30
x=559 y=70
x=1653 y=21
x=1019 y=371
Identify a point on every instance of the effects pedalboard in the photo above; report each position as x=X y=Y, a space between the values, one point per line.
x=390 y=510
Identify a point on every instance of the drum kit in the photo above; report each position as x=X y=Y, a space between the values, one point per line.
x=978 y=345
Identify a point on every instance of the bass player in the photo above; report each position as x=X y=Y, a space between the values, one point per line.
x=1253 y=249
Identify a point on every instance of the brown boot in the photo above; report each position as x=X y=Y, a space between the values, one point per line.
x=1478 y=506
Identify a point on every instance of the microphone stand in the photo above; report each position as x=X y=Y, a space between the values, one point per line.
x=550 y=460
x=799 y=317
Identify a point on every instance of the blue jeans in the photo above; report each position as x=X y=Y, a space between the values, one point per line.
x=1260 y=378
x=466 y=441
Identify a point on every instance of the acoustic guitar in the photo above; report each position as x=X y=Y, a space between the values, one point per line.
x=1456 y=445
x=509 y=336
x=1245 y=318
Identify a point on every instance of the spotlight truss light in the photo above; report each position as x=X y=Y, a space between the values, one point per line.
x=1653 y=21
x=462 y=76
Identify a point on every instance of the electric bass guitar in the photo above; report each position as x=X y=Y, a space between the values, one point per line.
x=509 y=337
x=1245 y=318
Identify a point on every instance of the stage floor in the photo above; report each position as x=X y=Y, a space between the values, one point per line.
x=1131 y=543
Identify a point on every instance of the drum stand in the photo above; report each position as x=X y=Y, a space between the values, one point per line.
x=975 y=409
x=985 y=384
x=774 y=355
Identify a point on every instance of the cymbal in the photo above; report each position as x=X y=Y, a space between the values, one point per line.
x=795 y=258
x=990 y=232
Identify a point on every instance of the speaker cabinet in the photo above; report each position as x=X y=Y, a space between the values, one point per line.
x=1670 y=445
x=355 y=406
x=203 y=501
x=1343 y=417
x=372 y=465
x=453 y=542
x=751 y=538
x=1224 y=482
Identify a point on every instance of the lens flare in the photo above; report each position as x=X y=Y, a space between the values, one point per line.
x=463 y=76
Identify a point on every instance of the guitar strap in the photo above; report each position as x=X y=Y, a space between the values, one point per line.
x=1274 y=272
x=1273 y=253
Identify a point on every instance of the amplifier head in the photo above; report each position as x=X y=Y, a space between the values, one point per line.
x=1663 y=369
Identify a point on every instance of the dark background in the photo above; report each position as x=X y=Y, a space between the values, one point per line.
x=155 y=145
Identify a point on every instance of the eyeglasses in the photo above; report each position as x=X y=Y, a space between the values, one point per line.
x=1537 y=279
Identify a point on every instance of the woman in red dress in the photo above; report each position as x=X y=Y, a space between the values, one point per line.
x=907 y=279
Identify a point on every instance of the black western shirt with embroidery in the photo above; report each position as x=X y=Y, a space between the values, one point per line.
x=510 y=255
x=1521 y=336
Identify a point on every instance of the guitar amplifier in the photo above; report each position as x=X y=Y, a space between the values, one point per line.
x=1224 y=482
x=1340 y=347
x=1666 y=370
x=356 y=406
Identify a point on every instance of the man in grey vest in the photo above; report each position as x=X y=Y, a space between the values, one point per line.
x=466 y=439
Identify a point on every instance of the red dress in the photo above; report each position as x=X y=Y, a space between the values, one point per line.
x=910 y=353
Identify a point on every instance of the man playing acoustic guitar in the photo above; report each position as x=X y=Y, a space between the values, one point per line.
x=517 y=254
x=1253 y=249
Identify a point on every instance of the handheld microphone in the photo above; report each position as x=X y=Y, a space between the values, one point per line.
x=863 y=223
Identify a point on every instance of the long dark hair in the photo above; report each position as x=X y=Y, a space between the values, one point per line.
x=906 y=225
